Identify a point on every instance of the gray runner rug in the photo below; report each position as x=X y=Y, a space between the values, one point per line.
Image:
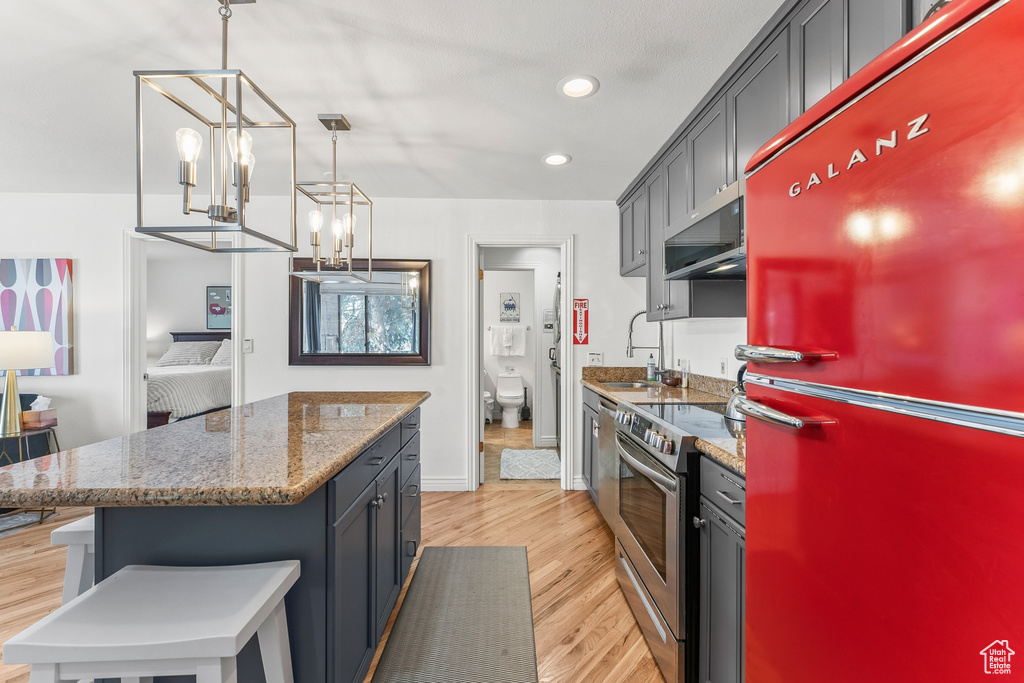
x=466 y=618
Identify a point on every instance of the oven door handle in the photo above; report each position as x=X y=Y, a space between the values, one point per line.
x=667 y=485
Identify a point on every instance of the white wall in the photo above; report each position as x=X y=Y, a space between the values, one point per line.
x=438 y=229
x=704 y=342
x=544 y=262
x=176 y=281
x=89 y=230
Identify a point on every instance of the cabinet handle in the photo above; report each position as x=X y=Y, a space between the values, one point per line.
x=414 y=491
x=640 y=253
x=410 y=548
x=413 y=425
x=384 y=498
x=376 y=461
x=698 y=522
x=411 y=456
x=728 y=498
x=375 y=503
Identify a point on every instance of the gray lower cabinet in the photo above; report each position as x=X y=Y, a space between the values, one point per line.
x=591 y=422
x=722 y=574
x=368 y=549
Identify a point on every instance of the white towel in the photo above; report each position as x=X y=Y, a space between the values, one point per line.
x=498 y=347
x=518 y=347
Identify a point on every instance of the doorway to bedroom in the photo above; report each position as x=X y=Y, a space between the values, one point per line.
x=187 y=322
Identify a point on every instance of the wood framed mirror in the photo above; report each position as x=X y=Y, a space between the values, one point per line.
x=335 y=319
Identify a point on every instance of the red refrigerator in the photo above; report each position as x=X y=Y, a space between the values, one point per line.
x=885 y=468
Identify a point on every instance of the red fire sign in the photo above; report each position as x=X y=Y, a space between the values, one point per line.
x=580 y=320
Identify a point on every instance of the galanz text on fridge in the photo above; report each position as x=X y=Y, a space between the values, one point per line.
x=916 y=129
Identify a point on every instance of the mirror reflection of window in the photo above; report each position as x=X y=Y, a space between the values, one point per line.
x=355 y=317
x=338 y=319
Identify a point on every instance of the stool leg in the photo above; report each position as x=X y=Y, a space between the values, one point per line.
x=217 y=670
x=274 y=648
x=73 y=568
x=89 y=572
x=43 y=673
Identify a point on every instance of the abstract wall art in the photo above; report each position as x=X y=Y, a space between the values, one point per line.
x=35 y=294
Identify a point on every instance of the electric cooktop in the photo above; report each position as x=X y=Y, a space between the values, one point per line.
x=703 y=420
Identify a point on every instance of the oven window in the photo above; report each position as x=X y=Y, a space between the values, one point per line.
x=642 y=509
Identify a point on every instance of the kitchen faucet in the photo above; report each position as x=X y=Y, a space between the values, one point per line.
x=661 y=342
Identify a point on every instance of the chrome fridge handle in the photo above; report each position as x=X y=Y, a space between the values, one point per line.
x=772 y=354
x=766 y=414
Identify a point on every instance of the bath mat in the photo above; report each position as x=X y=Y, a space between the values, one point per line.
x=522 y=464
x=466 y=618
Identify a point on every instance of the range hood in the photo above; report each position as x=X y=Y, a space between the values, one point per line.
x=711 y=244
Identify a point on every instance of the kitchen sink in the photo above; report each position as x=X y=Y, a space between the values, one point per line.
x=628 y=385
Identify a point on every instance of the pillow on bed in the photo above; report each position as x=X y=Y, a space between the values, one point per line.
x=189 y=353
x=223 y=355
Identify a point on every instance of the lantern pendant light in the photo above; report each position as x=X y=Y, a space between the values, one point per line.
x=231 y=144
x=343 y=198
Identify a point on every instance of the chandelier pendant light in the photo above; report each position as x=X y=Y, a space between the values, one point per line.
x=333 y=252
x=217 y=111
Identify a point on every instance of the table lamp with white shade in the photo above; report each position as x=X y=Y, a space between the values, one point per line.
x=20 y=351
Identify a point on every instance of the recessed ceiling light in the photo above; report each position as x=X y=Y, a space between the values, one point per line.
x=557 y=159
x=578 y=86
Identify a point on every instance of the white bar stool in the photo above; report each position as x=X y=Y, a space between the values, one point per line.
x=80 y=567
x=147 y=621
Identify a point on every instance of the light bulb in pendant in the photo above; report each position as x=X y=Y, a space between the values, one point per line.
x=338 y=226
x=234 y=146
x=250 y=163
x=316 y=220
x=189 y=144
x=414 y=282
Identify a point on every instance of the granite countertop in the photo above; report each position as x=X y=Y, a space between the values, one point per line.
x=729 y=452
x=271 y=452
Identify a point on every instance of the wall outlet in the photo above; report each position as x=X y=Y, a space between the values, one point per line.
x=723 y=367
x=247 y=346
x=595 y=358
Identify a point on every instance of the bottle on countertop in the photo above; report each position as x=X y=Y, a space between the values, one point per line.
x=651 y=367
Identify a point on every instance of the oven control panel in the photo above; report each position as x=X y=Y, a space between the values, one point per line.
x=643 y=429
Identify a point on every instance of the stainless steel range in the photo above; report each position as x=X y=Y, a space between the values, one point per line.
x=657 y=551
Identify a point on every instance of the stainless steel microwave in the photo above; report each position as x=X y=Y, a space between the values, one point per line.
x=711 y=244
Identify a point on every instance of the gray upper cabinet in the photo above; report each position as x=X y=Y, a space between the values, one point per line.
x=760 y=101
x=667 y=206
x=873 y=26
x=816 y=41
x=708 y=147
x=633 y=235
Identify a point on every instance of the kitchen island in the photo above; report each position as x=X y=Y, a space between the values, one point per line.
x=328 y=478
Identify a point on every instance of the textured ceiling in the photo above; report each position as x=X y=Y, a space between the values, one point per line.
x=447 y=98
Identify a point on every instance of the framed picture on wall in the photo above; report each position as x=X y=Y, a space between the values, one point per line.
x=218 y=308
x=509 y=305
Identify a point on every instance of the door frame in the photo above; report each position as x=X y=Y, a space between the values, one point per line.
x=134 y=342
x=474 y=343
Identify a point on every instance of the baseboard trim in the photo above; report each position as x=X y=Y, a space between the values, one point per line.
x=547 y=442
x=444 y=484
x=578 y=484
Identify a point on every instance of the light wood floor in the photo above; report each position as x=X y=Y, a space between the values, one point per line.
x=496 y=439
x=584 y=629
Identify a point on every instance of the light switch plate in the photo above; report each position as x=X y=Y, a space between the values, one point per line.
x=247 y=346
x=595 y=358
x=723 y=367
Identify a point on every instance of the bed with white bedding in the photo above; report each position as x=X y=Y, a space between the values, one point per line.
x=185 y=390
x=193 y=377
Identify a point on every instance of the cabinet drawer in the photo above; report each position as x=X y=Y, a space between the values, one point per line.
x=410 y=539
x=724 y=488
x=410 y=425
x=410 y=494
x=360 y=473
x=410 y=458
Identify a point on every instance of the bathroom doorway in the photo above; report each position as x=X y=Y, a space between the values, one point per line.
x=519 y=407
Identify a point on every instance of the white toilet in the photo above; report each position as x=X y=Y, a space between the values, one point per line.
x=510 y=397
